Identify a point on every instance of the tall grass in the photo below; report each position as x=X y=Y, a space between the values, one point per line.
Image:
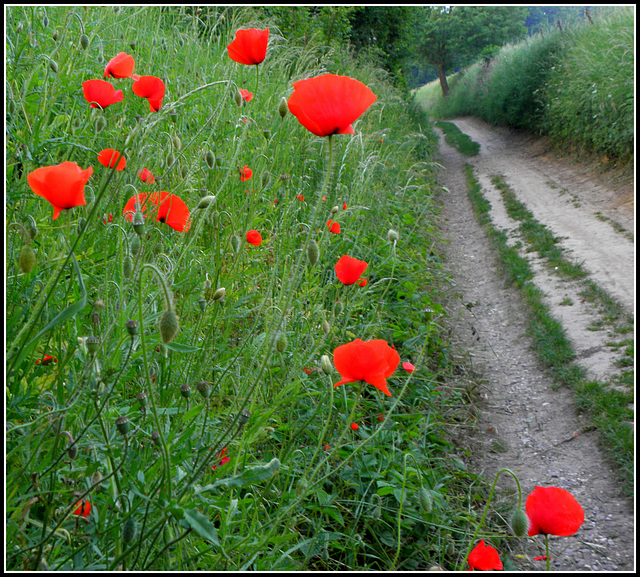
x=227 y=447
x=574 y=85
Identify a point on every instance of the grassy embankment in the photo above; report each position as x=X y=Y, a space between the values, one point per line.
x=228 y=447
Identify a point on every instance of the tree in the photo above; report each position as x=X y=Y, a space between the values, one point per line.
x=444 y=35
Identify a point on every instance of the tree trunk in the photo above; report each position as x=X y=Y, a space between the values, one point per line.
x=443 y=80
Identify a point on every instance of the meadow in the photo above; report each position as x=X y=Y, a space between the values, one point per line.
x=226 y=339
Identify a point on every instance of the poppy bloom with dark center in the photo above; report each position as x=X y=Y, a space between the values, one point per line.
x=168 y=208
x=83 y=509
x=553 y=511
x=62 y=185
x=370 y=361
x=254 y=237
x=151 y=88
x=249 y=46
x=245 y=173
x=484 y=558
x=329 y=104
x=112 y=159
x=349 y=270
x=120 y=66
x=100 y=94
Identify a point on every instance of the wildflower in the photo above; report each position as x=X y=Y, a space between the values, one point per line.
x=254 y=237
x=333 y=227
x=354 y=426
x=407 y=366
x=300 y=197
x=223 y=459
x=344 y=206
x=171 y=209
x=146 y=176
x=249 y=46
x=363 y=282
x=246 y=95
x=46 y=360
x=100 y=94
x=120 y=66
x=83 y=509
x=109 y=157
x=540 y=558
x=62 y=185
x=329 y=104
x=107 y=219
x=349 y=270
x=370 y=361
x=245 y=173
x=553 y=511
x=151 y=88
x=484 y=558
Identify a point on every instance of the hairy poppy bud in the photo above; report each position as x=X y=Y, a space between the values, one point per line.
x=127 y=266
x=282 y=107
x=281 y=342
x=169 y=326
x=100 y=123
x=237 y=98
x=426 y=500
x=54 y=66
x=27 y=259
x=301 y=486
x=519 y=523
x=84 y=41
x=235 y=243
x=202 y=304
x=122 y=424
x=334 y=209
x=313 y=252
x=96 y=478
x=326 y=327
x=326 y=365
x=177 y=143
x=206 y=201
x=135 y=246
x=210 y=159
x=138 y=223
x=219 y=294
x=129 y=531
x=337 y=309
x=392 y=235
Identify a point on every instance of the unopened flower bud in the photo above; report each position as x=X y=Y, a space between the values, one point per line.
x=100 y=123
x=129 y=531
x=313 y=252
x=177 y=143
x=202 y=304
x=281 y=342
x=519 y=523
x=235 y=243
x=122 y=424
x=301 y=486
x=54 y=66
x=283 y=108
x=206 y=201
x=334 y=209
x=426 y=500
x=27 y=259
x=326 y=365
x=237 y=98
x=326 y=327
x=219 y=294
x=136 y=244
x=127 y=266
x=138 y=223
x=96 y=478
x=169 y=326
x=392 y=235
x=84 y=41
x=210 y=159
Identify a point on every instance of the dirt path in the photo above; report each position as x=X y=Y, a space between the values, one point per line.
x=524 y=424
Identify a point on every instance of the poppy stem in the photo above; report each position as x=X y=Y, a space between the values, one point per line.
x=546 y=542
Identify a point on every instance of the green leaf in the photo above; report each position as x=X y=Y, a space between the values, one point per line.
x=181 y=348
x=200 y=523
x=192 y=412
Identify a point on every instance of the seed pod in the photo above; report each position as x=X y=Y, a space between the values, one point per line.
x=281 y=342
x=132 y=327
x=155 y=437
x=243 y=418
x=27 y=259
x=169 y=326
x=313 y=252
x=210 y=159
x=129 y=531
x=93 y=344
x=84 y=41
x=202 y=304
x=122 y=424
x=142 y=399
x=426 y=500
x=519 y=523
x=204 y=388
x=283 y=108
x=185 y=391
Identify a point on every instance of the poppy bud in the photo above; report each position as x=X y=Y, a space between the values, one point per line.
x=138 y=223
x=392 y=235
x=235 y=243
x=206 y=201
x=122 y=424
x=129 y=531
x=55 y=36
x=237 y=98
x=519 y=523
x=326 y=327
x=301 y=486
x=32 y=228
x=135 y=246
x=426 y=500
x=127 y=266
x=219 y=294
x=27 y=259
x=84 y=41
x=326 y=365
x=266 y=179
x=155 y=437
x=100 y=123
x=204 y=388
x=335 y=209
x=337 y=309
x=185 y=391
x=93 y=344
x=132 y=327
x=313 y=252
x=169 y=326
x=169 y=159
x=202 y=303
x=177 y=143
x=210 y=159
x=54 y=66
x=282 y=107
x=96 y=478
x=281 y=342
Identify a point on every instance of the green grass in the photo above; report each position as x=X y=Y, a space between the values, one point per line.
x=301 y=490
x=606 y=404
x=456 y=138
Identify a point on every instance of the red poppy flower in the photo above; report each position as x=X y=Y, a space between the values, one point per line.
x=46 y=360
x=344 y=206
x=83 y=509
x=407 y=366
x=484 y=558
x=349 y=270
x=354 y=426
x=300 y=197
x=246 y=95
x=249 y=46
x=109 y=157
x=333 y=227
x=553 y=511
x=146 y=176
x=62 y=185
x=120 y=66
x=151 y=88
x=254 y=237
x=223 y=459
x=107 y=219
x=363 y=282
x=100 y=94
x=168 y=208
x=329 y=104
x=245 y=173
x=371 y=361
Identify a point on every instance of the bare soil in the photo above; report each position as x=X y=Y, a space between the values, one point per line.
x=525 y=422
